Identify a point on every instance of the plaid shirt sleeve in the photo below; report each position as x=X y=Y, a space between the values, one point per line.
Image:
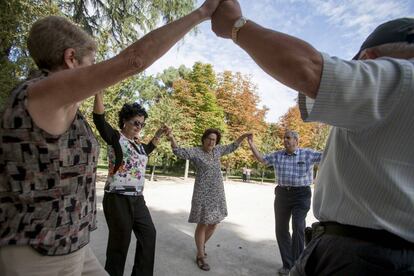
x=270 y=159
x=314 y=156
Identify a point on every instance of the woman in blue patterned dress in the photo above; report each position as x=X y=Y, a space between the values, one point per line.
x=208 y=205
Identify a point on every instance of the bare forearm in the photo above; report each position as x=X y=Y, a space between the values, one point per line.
x=173 y=142
x=156 y=43
x=256 y=153
x=289 y=60
x=239 y=140
x=72 y=86
x=98 y=105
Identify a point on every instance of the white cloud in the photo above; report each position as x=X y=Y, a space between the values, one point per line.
x=339 y=27
x=360 y=16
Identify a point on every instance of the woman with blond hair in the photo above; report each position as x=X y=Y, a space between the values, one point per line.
x=48 y=153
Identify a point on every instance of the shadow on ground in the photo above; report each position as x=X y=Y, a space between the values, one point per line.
x=238 y=247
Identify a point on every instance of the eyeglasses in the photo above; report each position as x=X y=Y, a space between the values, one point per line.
x=137 y=124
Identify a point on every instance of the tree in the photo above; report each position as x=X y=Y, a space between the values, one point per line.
x=125 y=20
x=115 y=22
x=167 y=111
x=16 y=17
x=237 y=96
x=312 y=135
x=196 y=96
x=268 y=143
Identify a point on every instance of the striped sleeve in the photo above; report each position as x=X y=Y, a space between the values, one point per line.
x=357 y=94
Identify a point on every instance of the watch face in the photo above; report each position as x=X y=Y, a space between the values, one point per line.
x=240 y=22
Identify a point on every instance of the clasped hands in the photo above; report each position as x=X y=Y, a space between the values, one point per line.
x=223 y=14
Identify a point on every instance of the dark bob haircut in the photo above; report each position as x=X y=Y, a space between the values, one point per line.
x=210 y=131
x=129 y=111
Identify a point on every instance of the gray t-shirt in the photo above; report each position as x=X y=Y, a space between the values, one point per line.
x=366 y=176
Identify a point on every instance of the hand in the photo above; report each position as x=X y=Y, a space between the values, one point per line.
x=168 y=132
x=160 y=131
x=208 y=7
x=246 y=135
x=223 y=19
x=250 y=138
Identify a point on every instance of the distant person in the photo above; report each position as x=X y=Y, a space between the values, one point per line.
x=364 y=190
x=123 y=203
x=48 y=153
x=248 y=172
x=208 y=206
x=294 y=172
x=244 y=176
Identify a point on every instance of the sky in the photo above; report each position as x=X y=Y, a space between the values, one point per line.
x=336 y=27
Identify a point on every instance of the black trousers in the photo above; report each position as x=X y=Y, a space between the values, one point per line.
x=123 y=215
x=291 y=202
x=343 y=256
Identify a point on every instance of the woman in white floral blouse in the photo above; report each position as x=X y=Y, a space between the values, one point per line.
x=123 y=203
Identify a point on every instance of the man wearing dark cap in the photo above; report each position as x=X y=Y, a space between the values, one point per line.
x=364 y=192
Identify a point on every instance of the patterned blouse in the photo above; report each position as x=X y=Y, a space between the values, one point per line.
x=127 y=160
x=129 y=178
x=47 y=182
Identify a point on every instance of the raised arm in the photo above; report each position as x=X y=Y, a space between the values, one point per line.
x=53 y=101
x=158 y=134
x=289 y=60
x=171 y=138
x=256 y=153
x=98 y=105
x=242 y=137
x=107 y=132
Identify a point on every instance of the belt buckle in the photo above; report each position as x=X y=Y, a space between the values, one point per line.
x=317 y=230
x=288 y=188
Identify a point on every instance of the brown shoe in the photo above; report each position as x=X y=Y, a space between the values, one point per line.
x=202 y=264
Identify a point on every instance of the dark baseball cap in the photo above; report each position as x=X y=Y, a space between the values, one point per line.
x=397 y=30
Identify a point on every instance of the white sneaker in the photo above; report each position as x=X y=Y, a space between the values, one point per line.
x=283 y=271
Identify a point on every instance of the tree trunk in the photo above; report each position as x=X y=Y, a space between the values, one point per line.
x=226 y=177
x=262 y=175
x=152 y=173
x=187 y=165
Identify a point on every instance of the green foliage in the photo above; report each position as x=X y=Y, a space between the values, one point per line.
x=16 y=17
x=195 y=92
x=115 y=23
x=167 y=111
x=237 y=95
x=171 y=74
x=122 y=18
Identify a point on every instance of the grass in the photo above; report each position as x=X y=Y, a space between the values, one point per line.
x=104 y=168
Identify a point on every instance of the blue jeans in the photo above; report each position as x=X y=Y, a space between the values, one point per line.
x=292 y=202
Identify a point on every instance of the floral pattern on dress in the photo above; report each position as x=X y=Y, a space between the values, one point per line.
x=208 y=205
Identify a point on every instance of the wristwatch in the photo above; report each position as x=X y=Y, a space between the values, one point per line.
x=236 y=27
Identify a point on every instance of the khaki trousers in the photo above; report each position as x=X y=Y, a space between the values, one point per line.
x=18 y=260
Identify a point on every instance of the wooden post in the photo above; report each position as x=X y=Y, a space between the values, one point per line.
x=187 y=166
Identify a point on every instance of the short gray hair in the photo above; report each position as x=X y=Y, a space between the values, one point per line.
x=50 y=36
x=293 y=133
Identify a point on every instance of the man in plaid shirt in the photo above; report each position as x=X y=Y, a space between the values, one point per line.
x=294 y=170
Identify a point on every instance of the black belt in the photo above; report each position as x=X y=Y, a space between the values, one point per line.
x=380 y=237
x=292 y=187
